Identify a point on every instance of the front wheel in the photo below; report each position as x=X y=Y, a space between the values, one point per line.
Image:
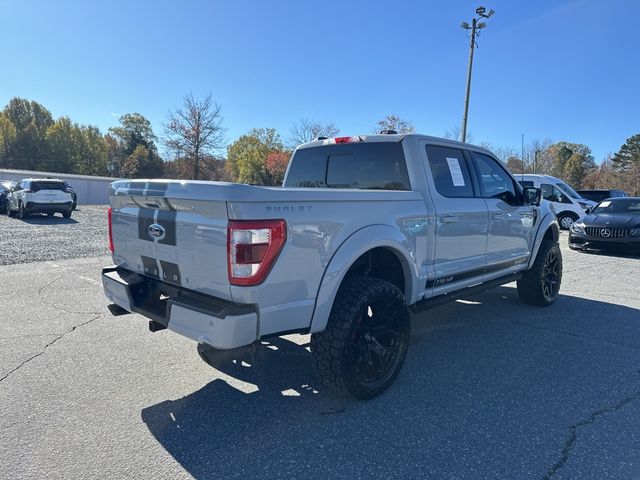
x=540 y=284
x=363 y=347
x=67 y=214
x=21 y=212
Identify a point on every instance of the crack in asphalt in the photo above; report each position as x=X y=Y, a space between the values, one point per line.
x=44 y=349
x=51 y=304
x=573 y=431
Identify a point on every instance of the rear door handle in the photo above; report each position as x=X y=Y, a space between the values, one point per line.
x=449 y=219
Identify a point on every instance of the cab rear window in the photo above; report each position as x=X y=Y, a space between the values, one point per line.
x=35 y=186
x=362 y=165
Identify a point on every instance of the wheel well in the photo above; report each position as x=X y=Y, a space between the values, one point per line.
x=569 y=213
x=382 y=263
x=552 y=234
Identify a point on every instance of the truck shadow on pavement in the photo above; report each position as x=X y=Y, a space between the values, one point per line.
x=491 y=388
x=45 y=220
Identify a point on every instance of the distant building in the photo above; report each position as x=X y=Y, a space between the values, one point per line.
x=90 y=190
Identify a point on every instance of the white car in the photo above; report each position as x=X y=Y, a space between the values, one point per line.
x=33 y=195
x=569 y=204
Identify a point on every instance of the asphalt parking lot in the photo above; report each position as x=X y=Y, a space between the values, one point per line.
x=491 y=388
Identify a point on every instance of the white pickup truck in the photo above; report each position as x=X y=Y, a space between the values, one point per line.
x=364 y=230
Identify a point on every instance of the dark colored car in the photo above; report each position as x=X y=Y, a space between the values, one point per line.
x=5 y=188
x=73 y=193
x=599 y=195
x=613 y=224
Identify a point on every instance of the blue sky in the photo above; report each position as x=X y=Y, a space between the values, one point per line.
x=564 y=70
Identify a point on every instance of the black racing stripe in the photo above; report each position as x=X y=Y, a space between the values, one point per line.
x=167 y=219
x=145 y=218
x=438 y=282
x=158 y=189
x=150 y=267
x=170 y=272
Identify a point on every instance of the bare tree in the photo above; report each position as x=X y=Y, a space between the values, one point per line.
x=394 y=122
x=306 y=130
x=456 y=134
x=194 y=130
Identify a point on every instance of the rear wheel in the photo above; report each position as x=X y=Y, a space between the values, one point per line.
x=21 y=212
x=363 y=347
x=540 y=285
x=566 y=219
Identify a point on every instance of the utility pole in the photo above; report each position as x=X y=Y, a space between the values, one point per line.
x=475 y=27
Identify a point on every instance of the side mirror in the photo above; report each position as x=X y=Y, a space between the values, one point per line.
x=532 y=195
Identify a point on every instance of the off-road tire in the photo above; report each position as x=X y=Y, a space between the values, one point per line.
x=9 y=212
x=564 y=218
x=352 y=319
x=67 y=214
x=541 y=283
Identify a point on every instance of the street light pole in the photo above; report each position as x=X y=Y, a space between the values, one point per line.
x=474 y=23
x=474 y=27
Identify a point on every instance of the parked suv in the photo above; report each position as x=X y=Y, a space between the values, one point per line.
x=365 y=229
x=48 y=196
x=599 y=195
x=568 y=203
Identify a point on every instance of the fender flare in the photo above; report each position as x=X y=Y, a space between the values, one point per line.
x=348 y=252
x=548 y=221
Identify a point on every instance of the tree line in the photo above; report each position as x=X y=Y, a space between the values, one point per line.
x=195 y=147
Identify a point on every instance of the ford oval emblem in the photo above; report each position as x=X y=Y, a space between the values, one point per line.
x=157 y=231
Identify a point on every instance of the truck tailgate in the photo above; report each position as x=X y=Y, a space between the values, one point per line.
x=161 y=230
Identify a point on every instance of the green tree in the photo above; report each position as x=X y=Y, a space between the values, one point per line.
x=247 y=156
x=31 y=121
x=93 y=152
x=135 y=130
x=63 y=146
x=246 y=160
x=7 y=140
x=626 y=162
x=115 y=155
x=142 y=164
x=572 y=162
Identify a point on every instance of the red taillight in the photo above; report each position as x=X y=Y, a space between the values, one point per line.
x=110 y=229
x=343 y=139
x=252 y=248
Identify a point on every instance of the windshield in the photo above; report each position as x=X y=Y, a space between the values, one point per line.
x=568 y=190
x=622 y=205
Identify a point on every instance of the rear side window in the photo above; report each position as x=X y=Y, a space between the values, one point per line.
x=43 y=185
x=370 y=166
x=450 y=171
